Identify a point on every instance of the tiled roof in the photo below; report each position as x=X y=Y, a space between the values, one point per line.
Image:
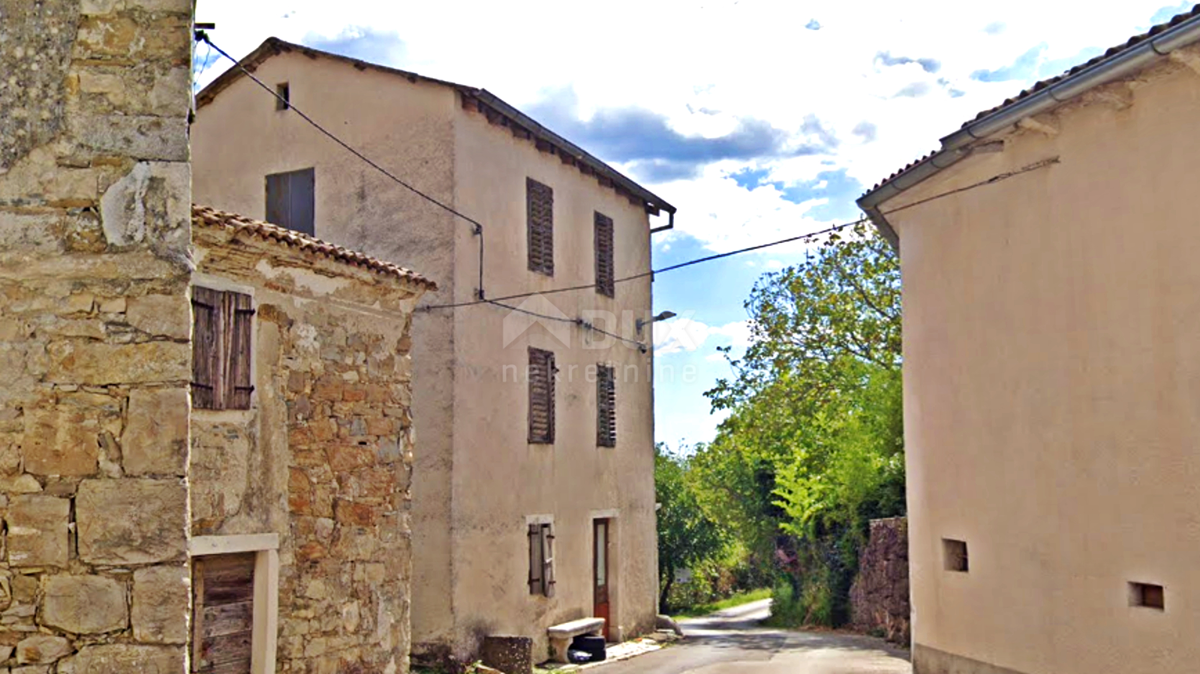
x=473 y=98
x=1111 y=52
x=1039 y=86
x=209 y=217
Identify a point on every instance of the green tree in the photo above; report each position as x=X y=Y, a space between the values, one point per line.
x=686 y=535
x=814 y=440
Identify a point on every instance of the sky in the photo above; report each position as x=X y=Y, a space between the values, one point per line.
x=759 y=120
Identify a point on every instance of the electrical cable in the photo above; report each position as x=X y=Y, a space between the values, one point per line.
x=202 y=36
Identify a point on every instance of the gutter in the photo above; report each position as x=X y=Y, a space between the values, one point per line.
x=651 y=200
x=956 y=146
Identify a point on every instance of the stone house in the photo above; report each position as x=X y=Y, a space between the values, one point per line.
x=533 y=503
x=159 y=508
x=1050 y=369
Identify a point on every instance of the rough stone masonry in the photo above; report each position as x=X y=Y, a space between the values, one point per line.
x=94 y=323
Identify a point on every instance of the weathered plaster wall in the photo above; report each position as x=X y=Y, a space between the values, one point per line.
x=573 y=480
x=879 y=595
x=94 y=325
x=324 y=457
x=1050 y=361
x=240 y=137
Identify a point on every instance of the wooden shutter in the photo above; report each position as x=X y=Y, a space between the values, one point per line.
x=541 y=396
x=222 y=349
x=206 y=348
x=291 y=200
x=239 y=385
x=535 y=559
x=606 y=407
x=547 y=536
x=604 y=256
x=223 y=613
x=539 y=203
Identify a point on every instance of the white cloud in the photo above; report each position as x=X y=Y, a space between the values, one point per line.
x=721 y=62
x=685 y=334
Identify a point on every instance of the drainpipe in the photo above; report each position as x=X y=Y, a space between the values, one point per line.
x=956 y=146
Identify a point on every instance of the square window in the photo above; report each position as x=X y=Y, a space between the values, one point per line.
x=1147 y=595
x=955 y=554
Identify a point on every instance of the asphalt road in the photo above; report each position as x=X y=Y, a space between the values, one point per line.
x=731 y=641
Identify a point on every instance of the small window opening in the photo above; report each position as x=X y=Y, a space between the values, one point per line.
x=283 y=100
x=1147 y=595
x=955 y=553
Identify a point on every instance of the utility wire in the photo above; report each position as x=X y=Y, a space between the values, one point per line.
x=202 y=36
x=803 y=237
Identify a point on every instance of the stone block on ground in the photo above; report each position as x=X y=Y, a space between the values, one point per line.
x=511 y=655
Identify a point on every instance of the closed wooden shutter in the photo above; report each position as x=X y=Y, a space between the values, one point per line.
x=541 y=396
x=239 y=384
x=222 y=349
x=606 y=407
x=223 y=614
x=604 y=256
x=539 y=203
x=291 y=200
x=206 y=348
x=535 y=559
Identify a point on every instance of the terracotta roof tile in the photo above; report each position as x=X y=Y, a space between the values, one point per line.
x=210 y=217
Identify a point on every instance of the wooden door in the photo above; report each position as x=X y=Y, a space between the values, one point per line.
x=223 y=613
x=600 y=579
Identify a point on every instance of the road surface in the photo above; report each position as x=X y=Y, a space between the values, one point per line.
x=731 y=642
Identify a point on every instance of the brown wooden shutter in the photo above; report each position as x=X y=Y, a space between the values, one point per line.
x=548 y=560
x=535 y=559
x=541 y=396
x=223 y=613
x=206 y=348
x=606 y=407
x=604 y=256
x=291 y=200
x=239 y=385
x=539 y=203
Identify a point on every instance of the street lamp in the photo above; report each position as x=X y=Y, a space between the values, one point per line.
x=640 y=323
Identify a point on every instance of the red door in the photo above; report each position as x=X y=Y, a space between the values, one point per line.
x=600 y=572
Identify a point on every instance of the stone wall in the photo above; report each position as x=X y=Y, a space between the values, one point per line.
x=94 y=324
x=879 y=600
x=324 y=457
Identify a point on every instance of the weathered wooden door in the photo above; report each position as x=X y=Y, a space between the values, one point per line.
x=223 y=613
x=600 y=578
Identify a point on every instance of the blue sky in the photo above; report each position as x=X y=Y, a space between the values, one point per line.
x=758 y=119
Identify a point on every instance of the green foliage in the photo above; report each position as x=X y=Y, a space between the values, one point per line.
x=687 y=536
x=813 y=446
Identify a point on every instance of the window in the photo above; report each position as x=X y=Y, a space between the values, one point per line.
x=222 y=324
x=283 y=96
x=223 y=613
x=606 y=406
x=235 y=603
x=604 y=255
x=541 y=396
x=1147 y=595
x=539 y=202
x=541 y=559
x=290 y=200
x=955 y=553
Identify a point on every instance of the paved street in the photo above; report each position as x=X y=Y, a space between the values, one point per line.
x=731 y=642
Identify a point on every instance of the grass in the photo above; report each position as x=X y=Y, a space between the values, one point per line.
x=736 y=600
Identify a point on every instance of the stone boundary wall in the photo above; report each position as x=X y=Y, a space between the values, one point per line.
x=879 y=598
x=94 y=326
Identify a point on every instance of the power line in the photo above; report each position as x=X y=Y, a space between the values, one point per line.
x=803 y=237
x=202 y=36
x=563 y=319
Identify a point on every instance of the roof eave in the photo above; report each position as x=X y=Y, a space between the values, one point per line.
x=955 y=146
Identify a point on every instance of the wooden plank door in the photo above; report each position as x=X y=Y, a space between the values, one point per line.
x=223 y=613
x=600 y=531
